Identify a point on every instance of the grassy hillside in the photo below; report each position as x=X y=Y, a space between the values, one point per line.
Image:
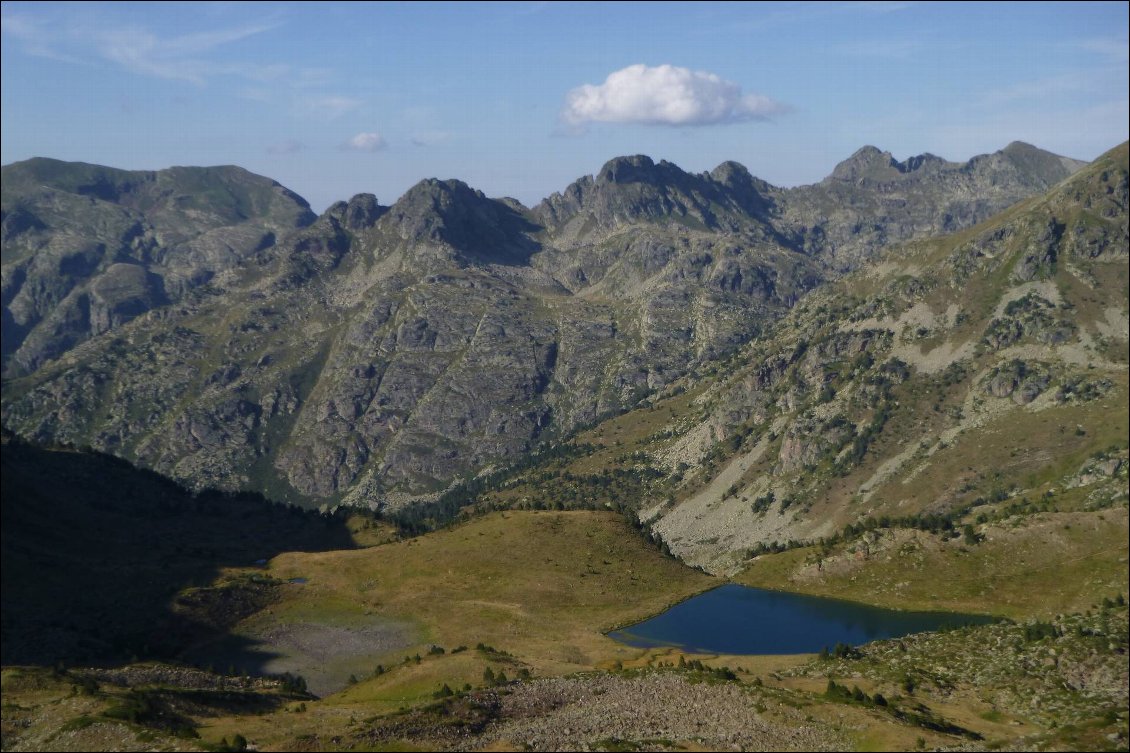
x=1040 y=564
x=540 y=587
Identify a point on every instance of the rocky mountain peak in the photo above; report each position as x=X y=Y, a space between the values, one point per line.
x=745 y=190
x=925 y=161
x=475 y=227
x=732 y=174
x=360 y=212
x=869 y=163
x=218 y=195
x=1036 y=164
x=87 y=248
x=637 y=189
x=864 y=163
x=635 y=169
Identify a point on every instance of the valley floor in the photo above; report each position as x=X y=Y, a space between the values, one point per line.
x=498 y=643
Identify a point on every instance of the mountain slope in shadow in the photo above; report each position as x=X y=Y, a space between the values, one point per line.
x=104 y=562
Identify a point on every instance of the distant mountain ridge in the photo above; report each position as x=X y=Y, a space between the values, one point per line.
x=87 y=248
x=202 y=322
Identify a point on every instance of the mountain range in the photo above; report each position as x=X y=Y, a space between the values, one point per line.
x=204 y=322
x=905 y=386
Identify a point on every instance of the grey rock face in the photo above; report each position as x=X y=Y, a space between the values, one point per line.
x=88 y=248
x=1021 y=380
x=359 y=213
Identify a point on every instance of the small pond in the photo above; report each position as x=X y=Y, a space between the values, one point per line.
x=733 y=619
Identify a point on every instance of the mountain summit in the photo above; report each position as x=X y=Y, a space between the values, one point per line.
x=870 y=164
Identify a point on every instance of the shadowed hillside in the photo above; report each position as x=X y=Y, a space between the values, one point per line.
x=104 y=562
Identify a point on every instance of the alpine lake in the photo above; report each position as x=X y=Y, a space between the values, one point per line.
x=734 y=619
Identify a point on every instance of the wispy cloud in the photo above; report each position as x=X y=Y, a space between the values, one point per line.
x=1039 y=89
x=665 y=95
x=178 y=58
x=184 y=57
x=198 y=42
x=883 y=49
x=369 y=141
x=289 y=146
x=431 y=138
x=195 y=57
x=1115 y=50
x=329 y=107
x=35 y=35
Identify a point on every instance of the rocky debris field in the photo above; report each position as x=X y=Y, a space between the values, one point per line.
x=591 y=712
x=178 y=677
x=1070 y=670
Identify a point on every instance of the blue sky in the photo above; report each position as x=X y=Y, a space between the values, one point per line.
x=520 y=99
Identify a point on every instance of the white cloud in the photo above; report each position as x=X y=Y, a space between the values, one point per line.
x=665 y=95
x=370 y=141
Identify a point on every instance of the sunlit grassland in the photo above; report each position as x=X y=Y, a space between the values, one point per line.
x=1027 y=566
x=541 y=585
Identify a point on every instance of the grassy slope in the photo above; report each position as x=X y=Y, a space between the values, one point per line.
x=542 y=586
x=1035 y=565
x=539 y=588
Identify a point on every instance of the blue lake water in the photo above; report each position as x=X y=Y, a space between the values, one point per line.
x=733 y=619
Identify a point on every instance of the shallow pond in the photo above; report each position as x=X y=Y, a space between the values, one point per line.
x=733 y=619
